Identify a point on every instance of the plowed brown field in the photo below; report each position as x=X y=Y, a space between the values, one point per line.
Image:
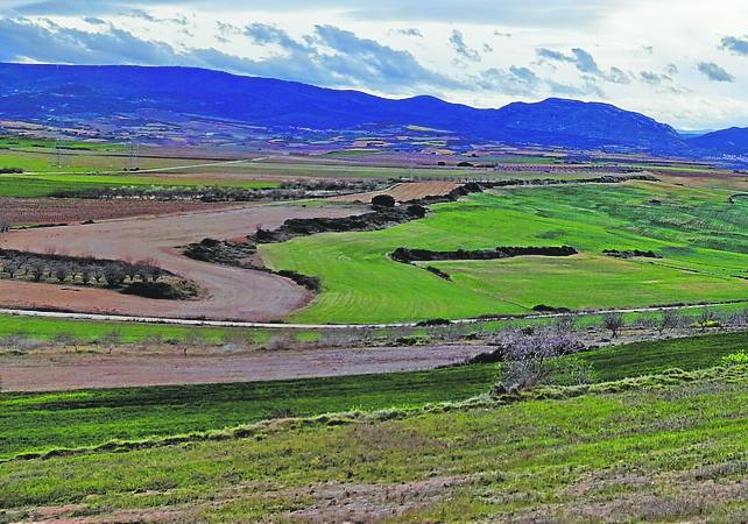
x=35 y=211
x=404 y=192
x=76 y=371
x=226 y=293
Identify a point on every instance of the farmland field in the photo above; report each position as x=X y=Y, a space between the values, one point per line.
x=698 y=234
x=94 y=417
x=209 y=319
x=30 y=186
x=595 y=450
x=412 y=279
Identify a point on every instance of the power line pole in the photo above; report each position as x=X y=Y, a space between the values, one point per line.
x=59 y=158
x=132 y=156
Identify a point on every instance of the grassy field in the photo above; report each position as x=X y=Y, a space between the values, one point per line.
x=700 y=236
x=38 y=422
x=657 y=449
x=37 y=186
x=45 y=329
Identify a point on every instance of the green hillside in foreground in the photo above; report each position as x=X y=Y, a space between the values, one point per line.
x=650 y=449
x=40 y=422
x=699 y=233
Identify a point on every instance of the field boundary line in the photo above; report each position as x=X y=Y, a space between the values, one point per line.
x=102 y=317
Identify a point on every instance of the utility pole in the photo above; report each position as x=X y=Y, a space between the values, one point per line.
x=132 y=155
x=59 y=157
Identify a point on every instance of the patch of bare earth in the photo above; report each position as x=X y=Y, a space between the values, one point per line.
x=226 y=293
x=404 y=192
x=632 y=497
x=318 y=503
x=35 y=211
x=81 y=370
x=337 y=502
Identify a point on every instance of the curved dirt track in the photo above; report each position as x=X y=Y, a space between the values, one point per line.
x=227 y=293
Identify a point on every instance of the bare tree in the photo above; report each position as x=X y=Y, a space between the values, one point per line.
x=527 y=356
x=36 y=270
x=114 y=275
x=12 y=267
x=61 y=270
x=111 y=339
x=613 y=322
x=669 y=319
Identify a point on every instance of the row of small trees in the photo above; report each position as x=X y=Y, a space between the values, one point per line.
x=530 y=354
x=286 y=191
x=111 y=273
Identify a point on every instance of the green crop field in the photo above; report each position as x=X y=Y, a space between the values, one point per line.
x=637 y=449
x=96 y=416
x=700 y=236
x=37 y=186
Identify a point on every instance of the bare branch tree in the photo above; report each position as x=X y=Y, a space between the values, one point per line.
x=527 y=355
x=613 y=322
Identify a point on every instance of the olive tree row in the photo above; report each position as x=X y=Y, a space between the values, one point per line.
x=85 y=271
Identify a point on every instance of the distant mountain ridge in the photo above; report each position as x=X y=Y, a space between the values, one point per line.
x=733 y=141
x=45 y=92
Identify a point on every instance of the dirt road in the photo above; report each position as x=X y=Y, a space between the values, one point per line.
x=227 y=293
x=78 y=371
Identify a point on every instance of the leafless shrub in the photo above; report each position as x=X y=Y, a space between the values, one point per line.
x=65 y=340
x=566 y=323
x=669 y=319
x=86 y=274
x=647 y=323
x=12 y=267
x=527 y=355
x=19 y=342
x=36 y=269
x=279 y=342
x=114 y=275
x=234 y=341
x=613 y=322
x=111 y=339
x=739 y=318
x=194 y=338
x=61 y=271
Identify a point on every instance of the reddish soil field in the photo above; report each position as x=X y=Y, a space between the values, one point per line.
x=226 y=293
x=81 y=371
x=35 y=211
x=403 y=192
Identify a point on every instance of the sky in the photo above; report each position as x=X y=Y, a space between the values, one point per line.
x=683 y=62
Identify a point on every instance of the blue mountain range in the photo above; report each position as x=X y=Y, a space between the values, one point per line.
x=41 y=93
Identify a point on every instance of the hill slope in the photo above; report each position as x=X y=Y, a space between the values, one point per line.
x=84 y=93
x=733 y=141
